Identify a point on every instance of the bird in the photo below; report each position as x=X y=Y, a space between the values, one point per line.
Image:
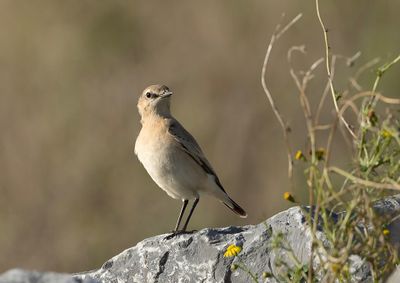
x=173 y=158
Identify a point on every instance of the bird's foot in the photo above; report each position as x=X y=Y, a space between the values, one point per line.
x=177 y=233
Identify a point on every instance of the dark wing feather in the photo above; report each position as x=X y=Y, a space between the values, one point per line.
x=191 y=147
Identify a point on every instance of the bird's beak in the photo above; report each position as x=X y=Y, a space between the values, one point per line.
x=166 y=94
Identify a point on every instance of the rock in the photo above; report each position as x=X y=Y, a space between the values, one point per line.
x=395 y=277
x=199 y=257
x=24 y=276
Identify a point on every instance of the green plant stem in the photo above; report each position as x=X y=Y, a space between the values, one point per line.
x=380 y=73
x=243 y=267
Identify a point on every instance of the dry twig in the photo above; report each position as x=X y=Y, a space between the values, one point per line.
x=285 y=128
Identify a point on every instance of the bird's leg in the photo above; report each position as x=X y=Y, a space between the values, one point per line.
x=176 y=231
x=190 y=214
x=185 y=202
x=183 y=231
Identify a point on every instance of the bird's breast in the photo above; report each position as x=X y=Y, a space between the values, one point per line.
x=167 y=164
x=152 y=149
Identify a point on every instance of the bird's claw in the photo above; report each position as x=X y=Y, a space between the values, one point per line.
x=177 y=233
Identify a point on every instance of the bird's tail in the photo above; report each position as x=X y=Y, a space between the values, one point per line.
x=235 y=207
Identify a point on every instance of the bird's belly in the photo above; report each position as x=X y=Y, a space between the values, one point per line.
x=174 y=171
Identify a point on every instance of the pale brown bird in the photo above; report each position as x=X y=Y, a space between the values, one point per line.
x=173 y=158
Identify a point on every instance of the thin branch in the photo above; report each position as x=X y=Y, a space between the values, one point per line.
x=354 y=80
x=308 y=75
x=289 y=25
x=380 y=73
x=378 y=97
x=350 y=60
x=326 y=91
x=328 y=70
x=322 y=127
x=366 y=183
x=279 y=117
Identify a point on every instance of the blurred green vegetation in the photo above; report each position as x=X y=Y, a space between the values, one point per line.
x=72 y=192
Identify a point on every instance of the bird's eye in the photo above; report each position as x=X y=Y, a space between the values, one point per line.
x=148 y=94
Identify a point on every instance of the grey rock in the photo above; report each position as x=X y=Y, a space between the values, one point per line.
x=199 y=257
x=24 y=276
x=395 y=277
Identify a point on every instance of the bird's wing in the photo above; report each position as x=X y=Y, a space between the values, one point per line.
x=191 y=147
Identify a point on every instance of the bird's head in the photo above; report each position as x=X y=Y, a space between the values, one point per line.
x=155 y=100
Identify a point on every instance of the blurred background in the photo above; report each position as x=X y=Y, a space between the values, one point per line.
x=72 y=192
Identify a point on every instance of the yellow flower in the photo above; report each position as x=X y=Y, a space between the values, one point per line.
x=336 y=267
x=386 y=134
x=299 y=155
x=266 y=275
x=386 y=232
x=232 y=250
x=289 y=197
